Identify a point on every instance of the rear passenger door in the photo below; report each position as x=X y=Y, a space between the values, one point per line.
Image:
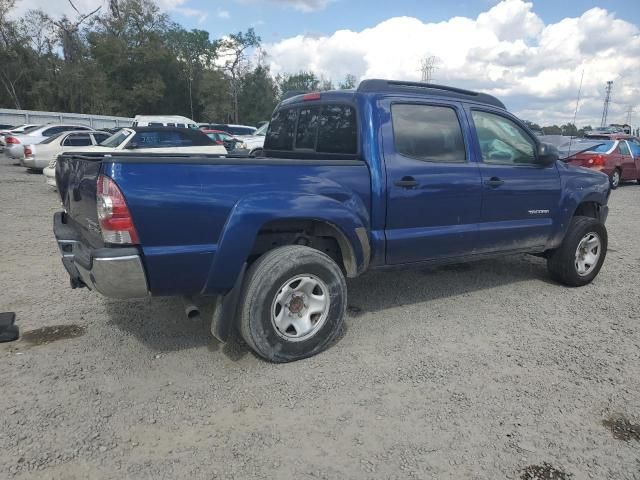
x=627 y=163
x=520 y=197
x=433 y=187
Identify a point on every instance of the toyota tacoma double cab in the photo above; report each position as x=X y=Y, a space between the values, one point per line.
x=390 y=175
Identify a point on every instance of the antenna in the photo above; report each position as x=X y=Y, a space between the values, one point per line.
x=575 y=113
x=607 y=100
x=427 y=66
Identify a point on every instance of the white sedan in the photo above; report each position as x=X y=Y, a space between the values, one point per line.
x=149 y=139
x=40 y=155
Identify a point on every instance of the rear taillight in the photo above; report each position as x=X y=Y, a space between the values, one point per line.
x=597 y=161
x=115 y=219
x=12 y=141
x=28 y=152
x=311 y=96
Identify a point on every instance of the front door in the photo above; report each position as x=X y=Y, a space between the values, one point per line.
x=520 y=197
x=433 y=189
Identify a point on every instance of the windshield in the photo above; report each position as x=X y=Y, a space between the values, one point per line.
x=116 y=139
x=262 y=131
x=240 y=130
x=603 y=148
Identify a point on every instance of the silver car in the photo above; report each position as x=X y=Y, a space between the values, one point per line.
x=15 y=143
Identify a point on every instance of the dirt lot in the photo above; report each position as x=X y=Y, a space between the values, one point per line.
x=480 y=371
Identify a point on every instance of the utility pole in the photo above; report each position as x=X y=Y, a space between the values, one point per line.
x=607 y=100
x=427 y=66
x=629 y=112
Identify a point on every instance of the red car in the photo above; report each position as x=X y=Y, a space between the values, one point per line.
x=618 y=157
x=231 y=143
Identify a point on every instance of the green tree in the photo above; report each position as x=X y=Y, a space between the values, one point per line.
x=349 y=82
x=258 y=96
x=552 y=130
x=298 y=82
x=234 y=53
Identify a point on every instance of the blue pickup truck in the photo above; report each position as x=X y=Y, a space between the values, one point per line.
x=391 y=175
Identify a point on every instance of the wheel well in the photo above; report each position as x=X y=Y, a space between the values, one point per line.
x=322 y=236
x=588 y=209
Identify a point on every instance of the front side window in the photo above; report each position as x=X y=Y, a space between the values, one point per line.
x=429 y=133
x=81 y=140
x=624 y=149
x=100 y=137
x=502 y=141
x=634 y=146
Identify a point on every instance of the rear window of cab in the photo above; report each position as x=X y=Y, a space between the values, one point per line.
x=324 y=128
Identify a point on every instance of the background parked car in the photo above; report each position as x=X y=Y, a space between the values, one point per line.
x=39 y=156
x=164 y=121
x=15 y=130
x=15 y=142
x=231 y=143
x=618 y=158
x=255 y=142
x=159 y=140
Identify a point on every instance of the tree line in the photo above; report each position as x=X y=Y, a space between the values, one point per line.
x=131 y=58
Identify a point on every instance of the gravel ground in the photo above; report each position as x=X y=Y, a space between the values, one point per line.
x=481 y=371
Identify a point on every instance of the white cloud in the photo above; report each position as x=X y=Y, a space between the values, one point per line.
x=507 y=50
x=224 y=14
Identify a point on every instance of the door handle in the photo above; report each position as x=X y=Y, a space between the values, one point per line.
x=406 y=182
x=494 y=182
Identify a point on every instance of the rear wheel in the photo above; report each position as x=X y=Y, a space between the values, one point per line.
x=614 y=179
x=293 y=303
x=578 y=259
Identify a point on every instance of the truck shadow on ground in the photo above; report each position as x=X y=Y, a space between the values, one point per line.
x=161 y=324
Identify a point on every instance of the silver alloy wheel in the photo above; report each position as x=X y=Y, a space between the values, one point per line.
x=588 y=253
x=615 y=178
x=300 y=308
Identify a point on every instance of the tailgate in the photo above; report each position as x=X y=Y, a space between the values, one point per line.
x=77 y=179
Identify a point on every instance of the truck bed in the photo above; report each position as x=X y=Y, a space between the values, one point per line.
x=184 y=206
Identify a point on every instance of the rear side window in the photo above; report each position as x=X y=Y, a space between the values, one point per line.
x=316 y=128
x=603 y=148
x=281 y=129
x=81 y=140
x=428 y=133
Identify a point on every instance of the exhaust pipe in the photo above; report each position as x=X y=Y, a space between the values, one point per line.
x=191 y=310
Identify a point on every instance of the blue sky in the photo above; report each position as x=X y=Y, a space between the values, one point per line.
x=274 y=21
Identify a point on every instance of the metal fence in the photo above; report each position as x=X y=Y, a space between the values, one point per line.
x=18 y=117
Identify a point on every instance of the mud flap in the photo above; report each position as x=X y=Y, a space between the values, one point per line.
x=226 y=310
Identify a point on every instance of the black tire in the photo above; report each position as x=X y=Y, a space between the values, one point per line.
x=612 y=182
x=561 y=262
x=257 y=153
x=263 y=283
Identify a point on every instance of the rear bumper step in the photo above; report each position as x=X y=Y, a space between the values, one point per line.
x=114 y=272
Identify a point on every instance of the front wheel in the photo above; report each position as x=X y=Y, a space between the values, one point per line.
x=293 y=303
x=577 y=261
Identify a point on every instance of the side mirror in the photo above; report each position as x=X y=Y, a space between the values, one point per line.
x=547 y=154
